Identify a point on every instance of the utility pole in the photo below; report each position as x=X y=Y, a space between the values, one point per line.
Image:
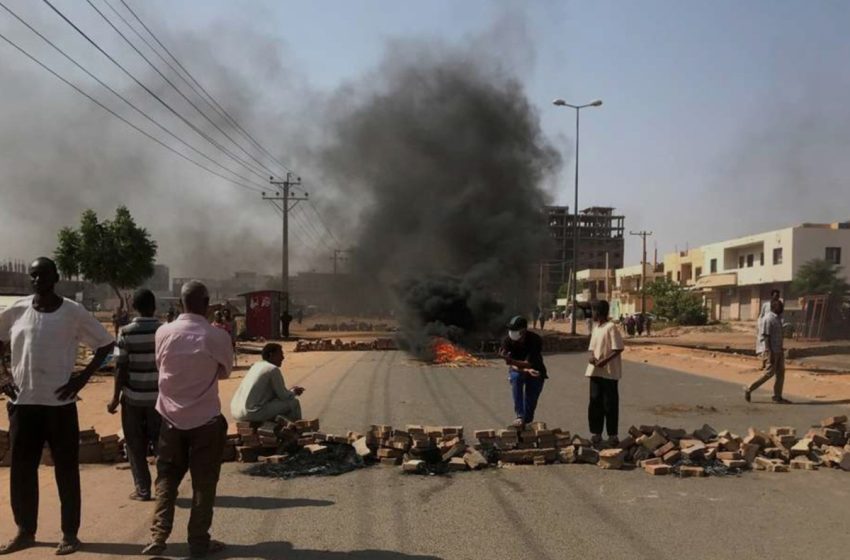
x=285 y=198
x=644 y=235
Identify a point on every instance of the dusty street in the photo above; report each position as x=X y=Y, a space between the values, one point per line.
x=552 y=512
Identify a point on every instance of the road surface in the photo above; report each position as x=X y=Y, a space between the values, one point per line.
x=546 y=513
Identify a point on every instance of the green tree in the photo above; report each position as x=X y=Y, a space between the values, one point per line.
x=115 y=252
x=820 y=278
x=673 y=302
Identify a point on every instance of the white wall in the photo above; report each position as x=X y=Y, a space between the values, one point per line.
x=811 y=243
x=727 y=254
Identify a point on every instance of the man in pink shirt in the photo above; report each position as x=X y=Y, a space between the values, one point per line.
x=191 y=356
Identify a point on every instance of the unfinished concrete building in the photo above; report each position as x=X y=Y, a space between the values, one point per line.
x=600 y=242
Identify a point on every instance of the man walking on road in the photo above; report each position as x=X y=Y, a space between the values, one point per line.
x=136 y=383
x=523 y=353
x=191 y=356
x=774 y=357
x=44 y=331
x=262 y=395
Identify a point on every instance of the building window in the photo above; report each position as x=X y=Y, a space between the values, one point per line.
x=698 y=272
x=761 y=259
x=678 y=276
x=777 y=255
x=741 y=261
x=750 y=260
x=713 y=265
x=833 y=255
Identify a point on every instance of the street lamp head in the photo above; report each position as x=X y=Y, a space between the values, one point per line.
x=595 y=103
x=559 y=102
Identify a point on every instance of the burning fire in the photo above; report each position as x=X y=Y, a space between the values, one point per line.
x=446 y=353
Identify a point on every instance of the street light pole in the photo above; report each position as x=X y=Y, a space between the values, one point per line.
x=574 y=286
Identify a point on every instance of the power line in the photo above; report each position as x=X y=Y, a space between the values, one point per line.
x=324 y=224
x=169 y=82
x=152 y=93
x=116 y=115
x=311 y=227
x=222 y=111
x=121 y=97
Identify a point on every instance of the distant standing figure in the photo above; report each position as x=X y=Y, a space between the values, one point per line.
x=648 y=325
x=285 y=320
x=542 y=318
x=630 y=325
x=536 y=316
x=605 y=369
x=299 y=316
x=43 y=332
x=640 y=322
x=262 y=394
x=191 y=356
x=231 y=329
x=774 y=354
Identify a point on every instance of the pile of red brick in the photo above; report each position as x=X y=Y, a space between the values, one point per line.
x=94 y=449
x=656 y=449
x=328 y=345
x=274 y=441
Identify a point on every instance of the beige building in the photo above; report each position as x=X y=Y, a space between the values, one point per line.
x=626 y=298
x=738 y=275
x=684 y=267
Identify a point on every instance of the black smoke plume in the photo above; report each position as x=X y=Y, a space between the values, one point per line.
x=446 y=157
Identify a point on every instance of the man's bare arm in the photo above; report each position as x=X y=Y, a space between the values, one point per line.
x=77 y=382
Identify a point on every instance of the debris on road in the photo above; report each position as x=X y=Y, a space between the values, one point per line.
x=361 y=326
x=658 y=450
x=94 y=448
x=328 y=345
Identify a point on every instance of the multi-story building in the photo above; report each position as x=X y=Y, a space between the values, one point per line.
x=739 y=274
x=626 y=298
x=684 y=267
x=600 y=242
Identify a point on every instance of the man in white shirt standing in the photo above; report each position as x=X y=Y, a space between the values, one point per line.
x=605 y=369
x=44 y=331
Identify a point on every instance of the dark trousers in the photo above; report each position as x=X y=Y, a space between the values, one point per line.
x=198 y=451
x=526 y=391
x=30 y=426
x=141 y=433
x=604 y=407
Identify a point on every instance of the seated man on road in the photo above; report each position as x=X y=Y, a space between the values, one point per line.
x=262 y=395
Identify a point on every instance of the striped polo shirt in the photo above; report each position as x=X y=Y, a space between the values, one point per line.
x=136 y=346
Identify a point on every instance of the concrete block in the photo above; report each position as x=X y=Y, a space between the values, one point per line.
x=665 y=449
x=457 y=464
x=474 y=459
x=657 y=469
x=687 y=471
x=612 y=459
x=654 y=441
x=413 y=466
x=833 y=421
x=706 y=433
x=315 y=448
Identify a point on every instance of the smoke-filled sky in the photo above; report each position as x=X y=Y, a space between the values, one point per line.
x=719 y=119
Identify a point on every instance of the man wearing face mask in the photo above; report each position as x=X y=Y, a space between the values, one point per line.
x=523 y=353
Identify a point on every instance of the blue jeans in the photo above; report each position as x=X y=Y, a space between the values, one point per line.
x=526 y=390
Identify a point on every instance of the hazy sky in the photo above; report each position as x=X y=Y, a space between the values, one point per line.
x=720 y=118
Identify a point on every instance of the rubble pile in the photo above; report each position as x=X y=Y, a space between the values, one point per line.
x=352 y=327
x=94 y=449
x=658 y=450
x=284 y=449
x=328 y=345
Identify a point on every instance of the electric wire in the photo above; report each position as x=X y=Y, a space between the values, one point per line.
x=121 y=118
x=152 y=93
x=223 y=112
x=121 y=97
x=173 y=85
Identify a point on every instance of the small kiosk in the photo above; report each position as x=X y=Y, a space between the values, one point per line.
x=262 y=313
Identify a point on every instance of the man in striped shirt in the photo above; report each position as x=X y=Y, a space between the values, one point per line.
x=136 y=383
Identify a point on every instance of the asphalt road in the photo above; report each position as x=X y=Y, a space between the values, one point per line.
x=546 y=513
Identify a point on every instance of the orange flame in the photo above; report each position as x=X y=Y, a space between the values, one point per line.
x=446 y=353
